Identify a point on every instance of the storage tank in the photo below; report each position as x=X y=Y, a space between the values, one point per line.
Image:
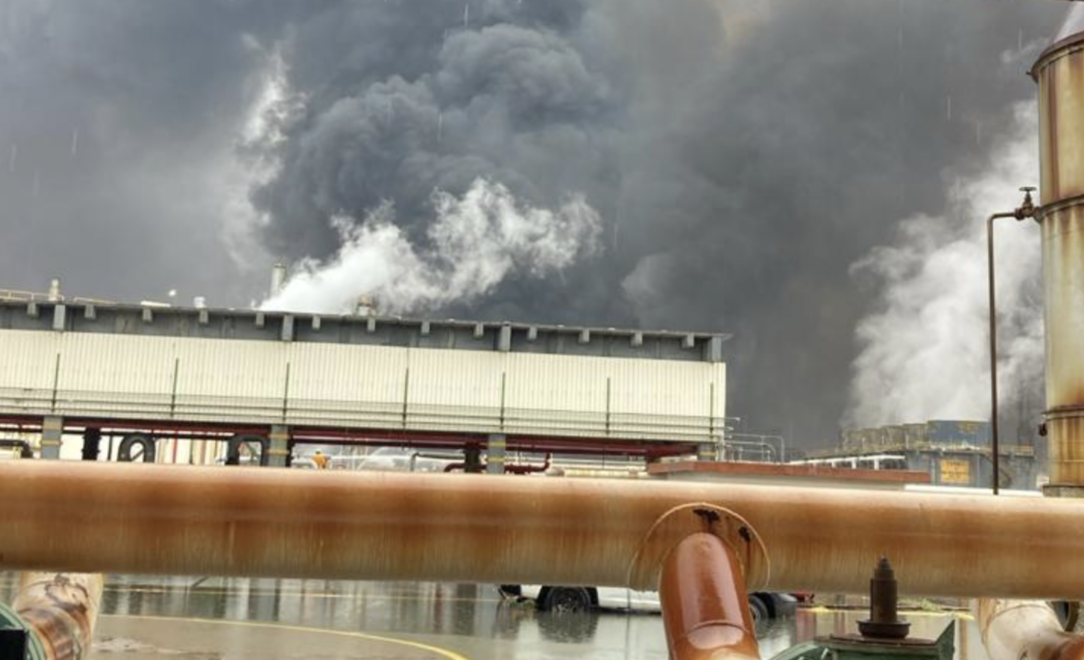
x=1059 y=72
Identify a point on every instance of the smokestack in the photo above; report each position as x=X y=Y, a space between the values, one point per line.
x=1060 y=74
x=54 y=290
x=278 y=279
x=366 y=306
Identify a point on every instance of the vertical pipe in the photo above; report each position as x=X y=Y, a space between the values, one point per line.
x=994 y=439
x=705 y=608
x=1026 y=210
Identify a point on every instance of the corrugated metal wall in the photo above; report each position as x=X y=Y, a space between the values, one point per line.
x=380 y=387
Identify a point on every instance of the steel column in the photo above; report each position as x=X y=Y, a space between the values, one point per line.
x=52 y=435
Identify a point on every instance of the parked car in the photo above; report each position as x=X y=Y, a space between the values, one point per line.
x=762 y=605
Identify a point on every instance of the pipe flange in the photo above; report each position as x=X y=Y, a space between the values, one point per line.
x=682 y=521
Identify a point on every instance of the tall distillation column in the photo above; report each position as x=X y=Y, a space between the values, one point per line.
x=1060 y=74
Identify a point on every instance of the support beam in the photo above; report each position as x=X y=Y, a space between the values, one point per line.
x=464 y=528
x=279 y=450
x=496 y=453
x=52 y=435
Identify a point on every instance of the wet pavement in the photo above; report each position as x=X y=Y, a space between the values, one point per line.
x=235 y=619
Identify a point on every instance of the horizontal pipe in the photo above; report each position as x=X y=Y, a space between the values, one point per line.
x=188 y=520
x=1025 y=630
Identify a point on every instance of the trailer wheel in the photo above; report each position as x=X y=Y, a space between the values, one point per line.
x=136 y=447
x=565 y=599
x=758 y=609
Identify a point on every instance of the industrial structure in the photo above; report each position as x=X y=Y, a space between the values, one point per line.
x=700 y=544
x=195 y=379
x=951 y=452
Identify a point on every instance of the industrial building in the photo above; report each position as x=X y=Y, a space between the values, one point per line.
x=189 y=384
x=951 y=452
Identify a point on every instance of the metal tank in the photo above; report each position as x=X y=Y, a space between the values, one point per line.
x=1060 y=75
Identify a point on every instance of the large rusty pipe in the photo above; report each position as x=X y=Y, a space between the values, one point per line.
x=133 y=518
x=1060 y=74
x=60 y=610
x=1025 y=630
x=705 y=609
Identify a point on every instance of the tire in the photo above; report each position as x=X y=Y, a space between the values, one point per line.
x=560 y=600
x=758 y=609
x=1068 y=613
x=131 y=443
x=233 y=448
x=510 y=590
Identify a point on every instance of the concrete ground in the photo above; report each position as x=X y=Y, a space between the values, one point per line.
x=150 y=618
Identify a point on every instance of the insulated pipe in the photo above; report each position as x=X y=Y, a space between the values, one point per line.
x=60 y=609
x=705 y=609
x=192 y=520
x=1025 y=630
x=1060 y=75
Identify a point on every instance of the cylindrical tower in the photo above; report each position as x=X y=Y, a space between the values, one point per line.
x=1060 y=74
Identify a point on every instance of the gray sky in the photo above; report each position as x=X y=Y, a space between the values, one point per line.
x=741 y=155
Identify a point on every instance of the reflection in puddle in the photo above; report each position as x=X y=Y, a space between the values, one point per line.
x=472 y=619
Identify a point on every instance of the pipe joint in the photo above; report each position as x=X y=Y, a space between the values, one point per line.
x=683 y=521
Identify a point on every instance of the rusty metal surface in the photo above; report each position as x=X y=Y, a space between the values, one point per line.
x=1025 y=630
x=188 y=520
x=1063 y=276
x=61 y=608
x=705 y=610
x=1060 y=74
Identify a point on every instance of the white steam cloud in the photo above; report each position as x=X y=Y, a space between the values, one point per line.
x=476 y=242
x=924 y=352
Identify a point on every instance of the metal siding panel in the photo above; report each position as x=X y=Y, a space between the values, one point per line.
x=661 y=399
x=354 y=385
x=556 y=395
x=231 y=381
x=27 y=368
x=455 y=390
x=241 y=381
x=720 y=397
x=113 y=374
